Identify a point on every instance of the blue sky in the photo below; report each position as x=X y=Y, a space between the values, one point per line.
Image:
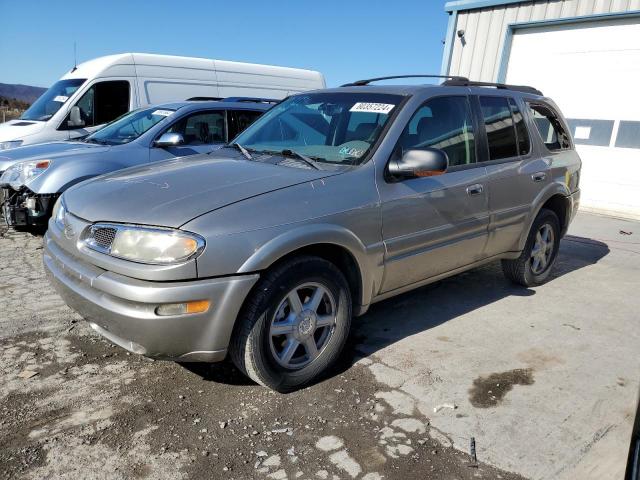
x=346 y=40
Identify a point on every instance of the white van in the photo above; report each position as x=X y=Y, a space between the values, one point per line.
x=102 y=89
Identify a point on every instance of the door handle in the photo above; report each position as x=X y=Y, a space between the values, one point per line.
x=476 y=189
x=538 y=176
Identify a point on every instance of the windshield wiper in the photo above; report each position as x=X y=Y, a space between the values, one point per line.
x=242 y=150
x=308 y=160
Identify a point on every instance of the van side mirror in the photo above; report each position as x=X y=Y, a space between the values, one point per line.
x=169 y=140
x=423 y=162
x=75 y=120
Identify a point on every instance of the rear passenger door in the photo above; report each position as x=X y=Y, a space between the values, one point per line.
x=433 y=225
x=516 y=173
x=202 y=132
x=239 y=120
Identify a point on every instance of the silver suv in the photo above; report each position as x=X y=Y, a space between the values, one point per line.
x=331 y=201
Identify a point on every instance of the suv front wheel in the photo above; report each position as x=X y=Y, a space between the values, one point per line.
x=294 y=324
x=534 y=265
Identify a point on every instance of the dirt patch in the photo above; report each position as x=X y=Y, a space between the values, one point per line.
x=489 y=391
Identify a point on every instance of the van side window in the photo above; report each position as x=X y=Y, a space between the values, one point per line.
x=444 y=123
x=549 y=126
x=201 y=128
x=498 y=123
x=103 y=102
x=241 y=119
x=524 y=145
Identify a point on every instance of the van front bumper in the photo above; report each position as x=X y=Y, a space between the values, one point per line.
x=122 y=309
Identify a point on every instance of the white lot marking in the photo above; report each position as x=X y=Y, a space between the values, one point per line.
x=343 y=461
x=410 y=425
x=328 y=443
x=401 y=403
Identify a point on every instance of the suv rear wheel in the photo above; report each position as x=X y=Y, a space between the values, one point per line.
x=539 y=255
x=294 y=324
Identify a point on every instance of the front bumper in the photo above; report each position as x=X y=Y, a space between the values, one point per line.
x=16 y=212
x=122 y=309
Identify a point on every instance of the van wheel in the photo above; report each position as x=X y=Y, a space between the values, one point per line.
x=293 y=325
x=539 y=255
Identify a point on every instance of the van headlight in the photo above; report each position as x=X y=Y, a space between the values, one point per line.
x=144 y=244
x=21 y=173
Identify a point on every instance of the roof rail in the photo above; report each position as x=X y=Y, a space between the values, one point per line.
x=203 y=99
x=460 y=82
x=360 y=83
x=250 y=99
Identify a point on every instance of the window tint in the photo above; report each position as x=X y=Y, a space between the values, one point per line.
x=524 y=145
x=363 y=125
x=240 y=120
x=499 y=126
x=628 y=134
x=548 y=124
x=444 y=123
x=201 y=128
x=103 y=102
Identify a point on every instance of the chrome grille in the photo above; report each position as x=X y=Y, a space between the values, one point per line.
x=102 y=236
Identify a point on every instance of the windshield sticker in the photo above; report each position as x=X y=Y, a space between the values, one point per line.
x=164 y=113
x=351 y=152
x=383 y=108
x=60 y=98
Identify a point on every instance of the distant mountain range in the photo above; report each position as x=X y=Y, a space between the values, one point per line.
x=25 y=93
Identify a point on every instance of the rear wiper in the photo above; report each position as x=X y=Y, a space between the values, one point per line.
x=291 y=153
x=243 y=150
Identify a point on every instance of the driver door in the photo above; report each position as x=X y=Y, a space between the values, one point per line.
x=202 y=131
x=432 y=225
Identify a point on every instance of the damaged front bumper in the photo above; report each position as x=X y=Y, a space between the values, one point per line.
x=24 y=208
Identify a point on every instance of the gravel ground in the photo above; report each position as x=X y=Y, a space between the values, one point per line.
x=92 y=410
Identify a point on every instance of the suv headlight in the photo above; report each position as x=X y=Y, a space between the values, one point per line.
x=144 y=244
x=11 y=144
x=21 y=173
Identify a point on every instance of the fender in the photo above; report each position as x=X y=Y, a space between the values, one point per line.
x=370 y=270
x=63 y=175
x=554 y=188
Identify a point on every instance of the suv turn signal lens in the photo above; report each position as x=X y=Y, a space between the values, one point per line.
x=196 y=306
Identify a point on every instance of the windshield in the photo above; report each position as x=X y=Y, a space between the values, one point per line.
x=50 y=101
x=129 y=126
x=337 y=128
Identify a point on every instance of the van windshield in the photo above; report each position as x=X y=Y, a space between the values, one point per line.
x=129 y=126
x=337 y=128
x=50 y=101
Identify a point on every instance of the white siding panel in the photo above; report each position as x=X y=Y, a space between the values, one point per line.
x=485 y=30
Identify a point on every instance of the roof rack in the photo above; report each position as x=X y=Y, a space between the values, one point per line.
x=360 y=83
x=250 y=99
x=463 y=82
x=203 y=99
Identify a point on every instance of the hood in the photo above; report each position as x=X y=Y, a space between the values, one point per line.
x=47 y=150
x=18 y=129
x=173 y=192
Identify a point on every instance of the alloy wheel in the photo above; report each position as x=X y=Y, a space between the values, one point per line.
x=542 y=251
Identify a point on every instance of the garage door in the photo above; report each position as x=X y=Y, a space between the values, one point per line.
x=592 y=71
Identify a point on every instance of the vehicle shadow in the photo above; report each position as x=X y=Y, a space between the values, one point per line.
x=419 y=310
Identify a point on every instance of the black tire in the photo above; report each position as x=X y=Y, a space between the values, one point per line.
x=520 y=270
x=251 y=350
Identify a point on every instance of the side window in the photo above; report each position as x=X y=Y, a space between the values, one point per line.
x=549 y=126
x=524 y=145
x=102 y=103
x=201 y=128
x=499 y=126
x=444 y=123
x=241 y=119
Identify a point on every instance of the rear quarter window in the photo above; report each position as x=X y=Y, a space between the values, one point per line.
x=547 y=122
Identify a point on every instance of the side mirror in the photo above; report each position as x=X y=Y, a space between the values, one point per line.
x=75 y=120
x=424 y=162
x=169 y=140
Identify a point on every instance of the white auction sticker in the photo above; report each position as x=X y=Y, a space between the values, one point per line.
x=61 y=99
x=383 y=108
x=164 y=113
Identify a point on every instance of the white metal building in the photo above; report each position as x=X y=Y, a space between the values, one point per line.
x=585 y=54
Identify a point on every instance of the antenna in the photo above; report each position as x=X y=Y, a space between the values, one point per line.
x=75 y=58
